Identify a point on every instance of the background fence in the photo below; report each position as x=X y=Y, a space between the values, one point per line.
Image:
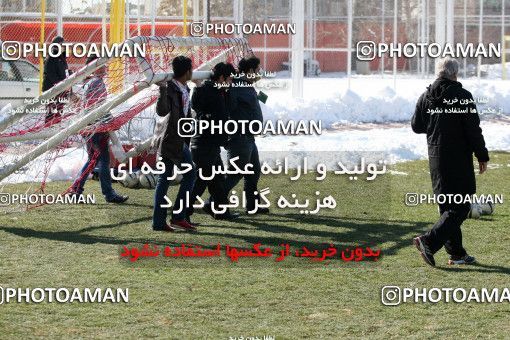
x=329 y=26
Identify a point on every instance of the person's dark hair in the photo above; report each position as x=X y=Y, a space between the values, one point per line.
x=181 y=65
x=247 y=64
x=58 y=40
x=222 y=69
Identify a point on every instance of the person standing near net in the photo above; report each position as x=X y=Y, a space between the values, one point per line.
x=243 y=105
x=55 y=70
x=209 y=103
x=447 y=114
x=174 y=104
x=97 y=142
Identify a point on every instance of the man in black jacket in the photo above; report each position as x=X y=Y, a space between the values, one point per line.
x=209 y=103
x=174 y=104
x=55 y=70
x=243 y=105
x=447 y=114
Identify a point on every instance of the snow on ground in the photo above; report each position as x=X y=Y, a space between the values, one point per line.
x=348 y=146
x=398 y=144
x=370 y=99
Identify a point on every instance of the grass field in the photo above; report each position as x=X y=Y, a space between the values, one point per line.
x=79 y=246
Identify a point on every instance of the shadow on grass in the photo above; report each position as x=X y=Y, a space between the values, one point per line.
x=78 y=236
x=276 y=229
x=351 y=231
x=477 y=267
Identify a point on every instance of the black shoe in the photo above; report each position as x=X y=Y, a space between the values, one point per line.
x=166 y=228
x=118 y=199
x=424 y=250
x=259 y=211
x=466 y=259
x=227 y=216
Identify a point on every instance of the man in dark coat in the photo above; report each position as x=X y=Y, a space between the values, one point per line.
x=243 y=105
x=174 y=104
x=446 y=112
x=55 y=70
x=209 y=103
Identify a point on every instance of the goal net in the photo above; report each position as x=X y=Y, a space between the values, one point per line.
x=42 y=143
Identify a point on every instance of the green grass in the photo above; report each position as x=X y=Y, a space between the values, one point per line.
x=79 y=246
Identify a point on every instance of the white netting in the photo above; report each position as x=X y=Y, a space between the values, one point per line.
x=44 y=140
